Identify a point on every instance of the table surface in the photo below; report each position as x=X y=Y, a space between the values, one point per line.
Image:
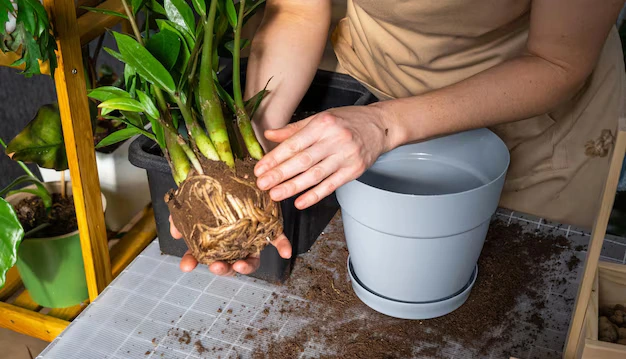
x=144 y=312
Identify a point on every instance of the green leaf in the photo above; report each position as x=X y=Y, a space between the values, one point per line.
x=41 y=141
x=165 y=46
x=251 y=8
x=104 y=93
x=159 y=133
x=230 y=46
x=115 y=54
x=119 y=136
x=133 y=118
x=105 y=12
x=122 y=104
x=156 y=7
x=253 y=103
x=231 y=12
x=200 y=7
x=148 y=105
x=144 y=63
x=137 y=4
x=181 y=14
x=223 y=94
x=11 y=234
x=182 y=34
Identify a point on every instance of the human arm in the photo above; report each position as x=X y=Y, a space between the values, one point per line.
x=332 y=148
x=287 y=47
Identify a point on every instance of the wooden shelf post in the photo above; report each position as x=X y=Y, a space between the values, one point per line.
x=79 y=143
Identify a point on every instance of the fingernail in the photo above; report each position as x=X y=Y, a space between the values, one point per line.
x=264 y=182
x=260 y=170
x=277 y=193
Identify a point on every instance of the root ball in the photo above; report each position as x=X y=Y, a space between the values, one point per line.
x=223 y=215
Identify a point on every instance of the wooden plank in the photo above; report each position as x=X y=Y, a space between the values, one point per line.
x=68 y=313
x=92 y=25
x=598 y=233
x=30 y=323
x=79 y=145
x=12 y=283
x=25 y=301
x=133 y=242
x=595 y=349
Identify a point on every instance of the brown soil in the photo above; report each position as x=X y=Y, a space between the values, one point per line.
x=62 y=217
x=512 y=266
x=191 y=214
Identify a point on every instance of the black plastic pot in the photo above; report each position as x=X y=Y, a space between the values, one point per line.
x=328 y=90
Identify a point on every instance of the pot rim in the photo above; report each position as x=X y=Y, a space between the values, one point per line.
x=53 y=188
x=449 y=195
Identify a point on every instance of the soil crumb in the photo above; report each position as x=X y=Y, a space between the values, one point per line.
x=61 y=218
x=573 y=262
x=199 y=347
x=513 y=268
x=185 y=338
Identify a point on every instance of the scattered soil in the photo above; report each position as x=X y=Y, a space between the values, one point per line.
x=199 y=347
x=346 y=328
x=62 y=217
x=189 y=206
x=573 y=262
x=185 y=338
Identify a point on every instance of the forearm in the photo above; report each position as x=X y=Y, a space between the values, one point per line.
x=287 y=48
x=515 y=90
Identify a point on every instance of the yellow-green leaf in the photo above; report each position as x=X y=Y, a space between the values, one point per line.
x=41 y=141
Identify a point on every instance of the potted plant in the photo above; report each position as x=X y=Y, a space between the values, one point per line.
x=212 y=164
x=124 y=185
x=301 y=227
x=39 y=235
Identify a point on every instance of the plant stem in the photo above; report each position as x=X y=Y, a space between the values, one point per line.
x=62 y=184
x=202 y=141
x=243 y=120
x=209 y=101
x=133 y=22
x=190 y=155
x=179 y=163
x=174 y=143
x=24 y=167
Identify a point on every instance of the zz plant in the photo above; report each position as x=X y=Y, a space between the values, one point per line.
x=204 y=132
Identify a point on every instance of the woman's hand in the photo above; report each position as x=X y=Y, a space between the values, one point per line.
x=247 y=266
x=326 y=150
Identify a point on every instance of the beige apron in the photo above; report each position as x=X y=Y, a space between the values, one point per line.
x=404 y=48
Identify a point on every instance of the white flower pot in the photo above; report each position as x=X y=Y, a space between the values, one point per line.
x=124 y=185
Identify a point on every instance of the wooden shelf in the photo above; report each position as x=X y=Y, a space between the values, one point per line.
x=582 y=339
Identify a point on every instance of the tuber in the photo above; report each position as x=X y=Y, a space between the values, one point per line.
x=607 y=330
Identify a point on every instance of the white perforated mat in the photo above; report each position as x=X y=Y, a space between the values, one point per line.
x=153 y=310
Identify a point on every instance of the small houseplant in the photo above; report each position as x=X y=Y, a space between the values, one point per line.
x=38 y=226
x=39 y=234
x=173 y=77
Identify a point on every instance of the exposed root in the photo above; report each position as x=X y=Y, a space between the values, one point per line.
x=241 y=224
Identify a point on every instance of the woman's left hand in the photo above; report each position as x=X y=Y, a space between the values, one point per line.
x=325 y=150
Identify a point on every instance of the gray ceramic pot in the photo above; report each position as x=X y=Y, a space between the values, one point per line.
x=416 y=221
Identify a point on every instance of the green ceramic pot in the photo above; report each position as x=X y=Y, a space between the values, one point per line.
x=52 y=269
